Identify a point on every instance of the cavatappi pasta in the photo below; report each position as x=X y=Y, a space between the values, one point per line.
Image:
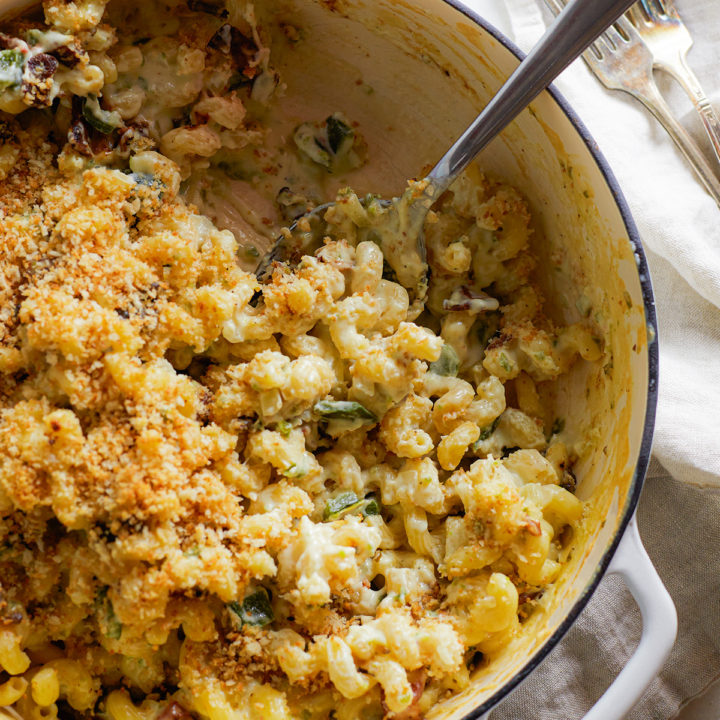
x=311 y=499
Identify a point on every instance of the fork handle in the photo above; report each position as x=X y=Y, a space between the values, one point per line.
x=682 y=72
x=650 y=96
x=578 y=25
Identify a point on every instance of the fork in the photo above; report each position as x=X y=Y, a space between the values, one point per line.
x=669 y=40
x=621 y=60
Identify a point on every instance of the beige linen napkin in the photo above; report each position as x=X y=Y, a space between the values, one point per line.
x=680 y=227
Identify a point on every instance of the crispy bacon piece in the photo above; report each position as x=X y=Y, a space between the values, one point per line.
x=533 y=527
x=464 y=298
x=38 y=80
x=174 y=711
x=135 y=137
x=7 y=42
x=89 y=141
x=418 y=680
x=230 y=40
x=42 y=66
x=79 y=136
x=207 y=6
x=71 y=54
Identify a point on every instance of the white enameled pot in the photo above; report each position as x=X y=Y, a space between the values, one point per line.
x=413 y=74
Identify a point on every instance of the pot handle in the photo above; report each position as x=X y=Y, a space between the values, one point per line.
x=659 y=620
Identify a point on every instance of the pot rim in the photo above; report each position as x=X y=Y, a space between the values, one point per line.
x=653 y=370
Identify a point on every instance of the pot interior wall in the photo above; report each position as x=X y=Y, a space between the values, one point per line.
x=413 y=75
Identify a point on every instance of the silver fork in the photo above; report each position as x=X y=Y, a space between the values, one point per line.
x=622 y=61
x=669 y=40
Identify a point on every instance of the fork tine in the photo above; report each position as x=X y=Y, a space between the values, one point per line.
x=654 y=9
x=617 y=34
x=626 y=29
x=649 y=8
x=597 y=48
x=611 y=39
x=637 y=15
x=668 y=7
x=603 y=46
x=596 y=51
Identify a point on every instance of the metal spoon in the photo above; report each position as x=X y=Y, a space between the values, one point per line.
x=574 y=29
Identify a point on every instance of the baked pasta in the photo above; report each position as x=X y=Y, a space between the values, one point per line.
x=320 y=497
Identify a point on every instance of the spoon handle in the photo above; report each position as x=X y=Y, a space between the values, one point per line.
x=578 y=25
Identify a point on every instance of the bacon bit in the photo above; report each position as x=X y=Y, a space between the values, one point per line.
x=11 y=613
x=37 y=80
x=533 y=527
x=135 y=135
x=78 y=137
x=8 y=43
x=101 y=143
x=498 y=341
x=526 y=597
x=222 y=39
x=230 y=40
x=71 y=54
x=569 y=481
x=418 y=680
x=211 y=8
x=174 y=711
x=42 y=66
x=89 y=141
x=462 y=299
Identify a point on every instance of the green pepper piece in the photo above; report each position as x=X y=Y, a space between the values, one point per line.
x=110 y=626
x=338 y=504
x=372 y=507
x=488 y=430
x=255 y=609
x=505 y=363
x=343 y=410
x=338 y=133
x=114 y=626
x=305 y=138
x=102 y=120
x=297 y=470
x=347 y=503
x=33 y=36
x=558 y=426
x=11 y=63
x=448 y=362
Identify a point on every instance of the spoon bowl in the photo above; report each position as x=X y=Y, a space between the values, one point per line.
x=396 y=225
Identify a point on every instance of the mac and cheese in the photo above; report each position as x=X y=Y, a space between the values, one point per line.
x=318 y=497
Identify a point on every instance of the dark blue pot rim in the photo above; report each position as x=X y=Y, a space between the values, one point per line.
x=651 y=321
